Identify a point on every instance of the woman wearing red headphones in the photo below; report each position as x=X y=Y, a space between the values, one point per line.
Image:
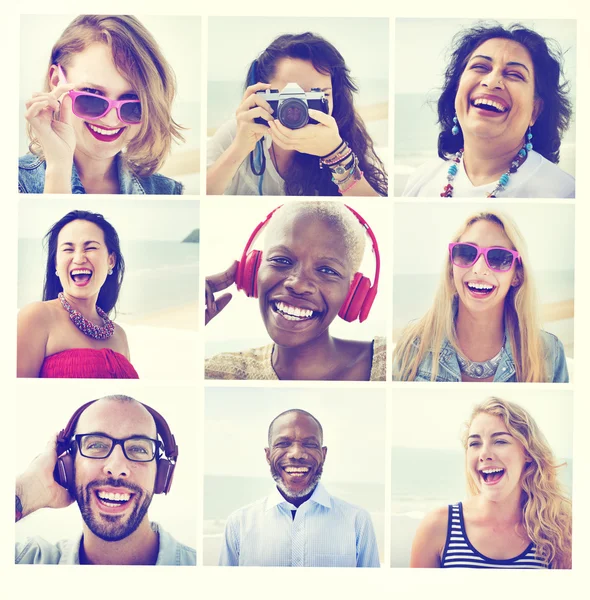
x=306 y=275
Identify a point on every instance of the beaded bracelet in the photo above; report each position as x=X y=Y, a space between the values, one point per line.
x=335 y=157
x=346 y=189
x=333 y=164
x=340 y=169
x=350 y=175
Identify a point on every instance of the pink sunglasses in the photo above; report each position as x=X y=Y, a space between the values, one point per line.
x=464 y=255
x=92 y=106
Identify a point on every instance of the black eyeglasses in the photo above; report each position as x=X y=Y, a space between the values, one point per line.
x=100 y=445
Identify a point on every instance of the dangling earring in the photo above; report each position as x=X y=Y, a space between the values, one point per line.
x=455 y=129
x=529 y=137
x=56 y=273
x=110 y=272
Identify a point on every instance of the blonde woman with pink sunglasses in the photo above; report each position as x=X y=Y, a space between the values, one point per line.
x=483 y=325
x=103 y=123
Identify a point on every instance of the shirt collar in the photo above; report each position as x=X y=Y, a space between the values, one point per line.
x=166 y=549
x=128 y=183
x=320 y=496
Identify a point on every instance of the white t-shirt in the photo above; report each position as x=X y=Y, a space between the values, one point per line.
x=244 y=182
x=536 y=178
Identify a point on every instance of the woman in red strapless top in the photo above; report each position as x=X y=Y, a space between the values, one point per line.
x=69 y=334
x=88 y=363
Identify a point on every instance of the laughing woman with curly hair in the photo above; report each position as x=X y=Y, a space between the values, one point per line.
x=502 y=112
x=517 y=515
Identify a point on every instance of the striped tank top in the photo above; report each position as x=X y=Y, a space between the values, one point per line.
x=459 y=552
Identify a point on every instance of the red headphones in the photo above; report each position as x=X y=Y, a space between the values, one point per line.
x=360 y=296
x=64 y=467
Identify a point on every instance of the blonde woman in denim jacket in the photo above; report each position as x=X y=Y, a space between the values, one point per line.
x=483 y=325
x=102 y=124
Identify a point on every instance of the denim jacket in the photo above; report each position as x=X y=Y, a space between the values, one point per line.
x=31 y=179
x=449 y=370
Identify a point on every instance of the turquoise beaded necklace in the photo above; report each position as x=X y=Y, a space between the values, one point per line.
x=516 y=163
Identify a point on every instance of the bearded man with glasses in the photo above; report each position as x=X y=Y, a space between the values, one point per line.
x=113 y=455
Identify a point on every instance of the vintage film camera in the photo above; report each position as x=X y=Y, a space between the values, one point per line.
x=291 y=105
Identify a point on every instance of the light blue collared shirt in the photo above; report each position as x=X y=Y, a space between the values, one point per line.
x=67 y=552
x=326 y=532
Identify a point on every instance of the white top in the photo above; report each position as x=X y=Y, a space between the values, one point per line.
x=536 y=178
x=244 y=182
x=323 y=532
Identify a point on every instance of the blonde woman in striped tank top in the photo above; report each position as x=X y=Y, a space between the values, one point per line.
x=517 y=515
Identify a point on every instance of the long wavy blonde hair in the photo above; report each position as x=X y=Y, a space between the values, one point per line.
x=521 y=318
x=140 y=61
x=546 y=509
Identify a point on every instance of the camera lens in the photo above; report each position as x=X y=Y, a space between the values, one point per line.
x=293 y=113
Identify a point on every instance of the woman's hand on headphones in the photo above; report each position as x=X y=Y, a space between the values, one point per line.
x=36 y=487
x=217 y=283
x=253 y=106
x=318 y=140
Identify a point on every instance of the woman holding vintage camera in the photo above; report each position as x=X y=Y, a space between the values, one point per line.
x=517 y=514
x=333 y=157
x=103 y=123
x=69 y=334
x=502 y=113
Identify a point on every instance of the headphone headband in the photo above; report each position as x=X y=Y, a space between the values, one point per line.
x=165 y=466
x=374 y=243
x=361 y=294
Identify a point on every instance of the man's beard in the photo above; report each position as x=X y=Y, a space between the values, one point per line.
x=287 y=493
x=112 y=528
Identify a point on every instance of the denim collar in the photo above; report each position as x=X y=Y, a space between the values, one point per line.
x=128 y=183
x=452 y=371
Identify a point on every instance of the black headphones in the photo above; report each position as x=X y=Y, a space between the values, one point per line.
x=64 y=467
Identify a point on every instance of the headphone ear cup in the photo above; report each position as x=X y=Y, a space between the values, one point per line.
x=367 y=303
x=164 y=476
x=248 y=273
x=63 y=472
x=357 y=293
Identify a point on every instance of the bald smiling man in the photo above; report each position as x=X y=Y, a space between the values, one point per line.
x=114 y=454
x=300 y=524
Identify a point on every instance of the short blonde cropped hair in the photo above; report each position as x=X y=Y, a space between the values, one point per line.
x=332 y=212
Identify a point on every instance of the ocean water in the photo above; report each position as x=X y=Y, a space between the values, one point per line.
x=159 y=275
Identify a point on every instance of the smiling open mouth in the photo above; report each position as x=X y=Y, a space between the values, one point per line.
x=102 y=134
x=81 y=276
x=296 y=472
x=113 y=500
x=492 y=475
x=489 y=105
x=293 y=313
x=480 y=289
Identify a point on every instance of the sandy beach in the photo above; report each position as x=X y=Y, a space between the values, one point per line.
x=180 y=317
x=161 y=347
